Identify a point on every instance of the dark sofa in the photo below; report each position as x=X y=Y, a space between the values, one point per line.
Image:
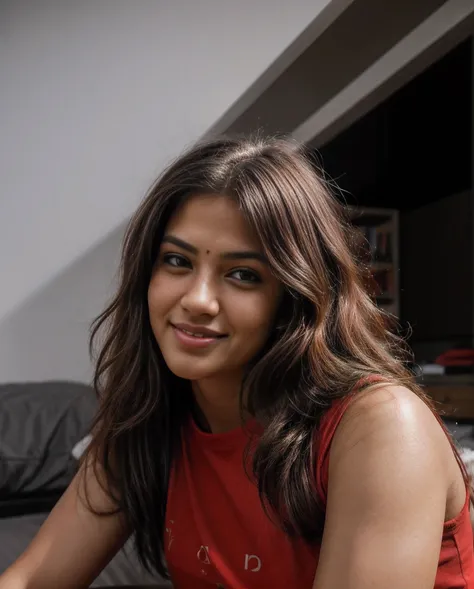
x=40 y=424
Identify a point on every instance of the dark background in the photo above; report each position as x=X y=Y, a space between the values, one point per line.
x=413 y=153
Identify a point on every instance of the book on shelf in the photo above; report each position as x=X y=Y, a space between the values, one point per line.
x=374 y=244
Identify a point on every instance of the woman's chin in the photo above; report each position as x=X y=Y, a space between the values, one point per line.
x=188 y=372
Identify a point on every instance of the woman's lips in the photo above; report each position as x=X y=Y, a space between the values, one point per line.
x=195 y=337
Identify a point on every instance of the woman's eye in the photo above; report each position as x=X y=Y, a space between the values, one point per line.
x=244 y=275
x=176 y=261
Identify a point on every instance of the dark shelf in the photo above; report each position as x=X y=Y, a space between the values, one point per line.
x=371 y=220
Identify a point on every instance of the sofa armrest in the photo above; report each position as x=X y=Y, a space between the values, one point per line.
x=28 y=503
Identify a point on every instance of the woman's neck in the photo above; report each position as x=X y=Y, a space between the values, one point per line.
x=217 y=404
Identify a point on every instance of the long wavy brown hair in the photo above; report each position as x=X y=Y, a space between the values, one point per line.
x=328 y=336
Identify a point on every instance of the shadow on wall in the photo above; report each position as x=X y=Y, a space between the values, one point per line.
x=47 y=336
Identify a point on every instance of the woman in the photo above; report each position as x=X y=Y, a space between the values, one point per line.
x=257 y=425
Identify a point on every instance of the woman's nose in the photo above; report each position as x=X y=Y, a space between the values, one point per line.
x=201 y=298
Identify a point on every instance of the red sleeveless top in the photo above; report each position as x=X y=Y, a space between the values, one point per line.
x=217 y=534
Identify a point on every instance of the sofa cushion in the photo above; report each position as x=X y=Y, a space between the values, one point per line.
x=40 y=423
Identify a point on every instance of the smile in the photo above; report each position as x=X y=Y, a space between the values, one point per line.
x=191 y=332
x=196 y=337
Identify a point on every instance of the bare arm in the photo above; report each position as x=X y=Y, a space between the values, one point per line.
x=73 y=545
x=388 y=486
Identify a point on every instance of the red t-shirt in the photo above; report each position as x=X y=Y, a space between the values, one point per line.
x=217 y=534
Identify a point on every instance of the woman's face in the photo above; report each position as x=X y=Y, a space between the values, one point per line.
x=212 y=297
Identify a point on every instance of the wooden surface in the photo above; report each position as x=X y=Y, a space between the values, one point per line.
x=453 y=395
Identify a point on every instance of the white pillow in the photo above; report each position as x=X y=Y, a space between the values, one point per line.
x=81 y=447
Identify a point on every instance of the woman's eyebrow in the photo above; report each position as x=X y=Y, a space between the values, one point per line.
x=180 y=243
x=245 y=255
x=242 y=255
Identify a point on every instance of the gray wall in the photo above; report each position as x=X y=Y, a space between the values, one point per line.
x=96 y=98
x=47 y=336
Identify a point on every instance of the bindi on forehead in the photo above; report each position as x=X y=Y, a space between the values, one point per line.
x=229 y=255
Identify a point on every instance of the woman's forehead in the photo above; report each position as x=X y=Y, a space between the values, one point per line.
x=215 y=222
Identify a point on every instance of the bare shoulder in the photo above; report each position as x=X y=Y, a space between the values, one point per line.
x=390 y=477
x=392 y=429
x=389 y=411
